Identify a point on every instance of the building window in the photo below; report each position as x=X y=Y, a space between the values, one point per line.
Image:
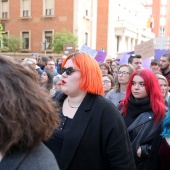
x=4 y=9
x=4 y=14
x=48 y=40
x=149 y=10
x=162 y=31
x=149 y=2
x=87 y=8
x=86 y=38
x=162 y=21
x=163 y=2
x=26 y=39
x=118 y=42
x=25 y=8
x=25 y=13
x=49 y=12
x=163 y=10
x=48 y=7
x=87 y=12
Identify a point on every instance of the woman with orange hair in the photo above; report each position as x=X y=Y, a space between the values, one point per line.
x=92 y=134
x=143 y=111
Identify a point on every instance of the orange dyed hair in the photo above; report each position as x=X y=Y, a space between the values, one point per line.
x=90 y=72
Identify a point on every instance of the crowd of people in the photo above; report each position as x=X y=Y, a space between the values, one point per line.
x=74 y=113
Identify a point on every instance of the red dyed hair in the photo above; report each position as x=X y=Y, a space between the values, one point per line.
x=90 y=72
x=152 y=88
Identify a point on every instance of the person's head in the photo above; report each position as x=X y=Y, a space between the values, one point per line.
x=50 y=65
x=34 y=56
x=114 y=71
x=108 y=82
x=109 y=62
x=105 y=68
x=63 y=58
x=27 y=115
x=135 y=61
x=51 y=58
x=81 y=73
x=144 y=84
x=164 y=85
x=154 y=65
x=57 y=82
x=59 y=61
x=43 y=60
x=47 y=79
x=124 y=73
x=30 y=61
x=114 y=63
x=29 y=66
x=165 y=62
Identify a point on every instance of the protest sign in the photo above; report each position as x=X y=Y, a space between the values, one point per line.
x=88 y=50
x=100 y=57
x=68 y=48
x=145 y=49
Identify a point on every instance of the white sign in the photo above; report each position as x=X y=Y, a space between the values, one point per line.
x=88 y=50
x=161 y=43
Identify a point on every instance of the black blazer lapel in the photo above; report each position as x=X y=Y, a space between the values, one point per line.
x=77 y=129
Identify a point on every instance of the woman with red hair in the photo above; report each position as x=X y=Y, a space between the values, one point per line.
x=143 y=111
x=92 y=134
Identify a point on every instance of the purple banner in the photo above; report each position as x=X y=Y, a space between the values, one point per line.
x=159 y=53
x=100 y=57
x=146 y=62
x=124 y=58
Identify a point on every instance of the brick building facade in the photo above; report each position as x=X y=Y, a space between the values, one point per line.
x=113 y=25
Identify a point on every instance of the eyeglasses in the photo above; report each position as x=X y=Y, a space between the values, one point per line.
x=106 y=82
x=68 y=70
x=124 y=73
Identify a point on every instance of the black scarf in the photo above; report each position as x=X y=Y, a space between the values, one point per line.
x=135 y=108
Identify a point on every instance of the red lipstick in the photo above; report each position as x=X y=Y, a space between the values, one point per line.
x=63 y=82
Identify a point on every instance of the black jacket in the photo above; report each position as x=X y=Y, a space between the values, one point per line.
x=154 y=163
x=98 y=138
x=142 y=132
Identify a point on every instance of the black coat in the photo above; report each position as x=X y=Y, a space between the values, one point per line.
x=154 y=163
x=98 y=138
x=142 y=133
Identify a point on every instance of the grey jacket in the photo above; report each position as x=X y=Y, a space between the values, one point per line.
x=39 y=158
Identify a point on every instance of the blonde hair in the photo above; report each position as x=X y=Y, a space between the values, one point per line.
x=159 y=76
x=131 y=70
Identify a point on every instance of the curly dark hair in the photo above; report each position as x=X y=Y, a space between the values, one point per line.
x=27 y=114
